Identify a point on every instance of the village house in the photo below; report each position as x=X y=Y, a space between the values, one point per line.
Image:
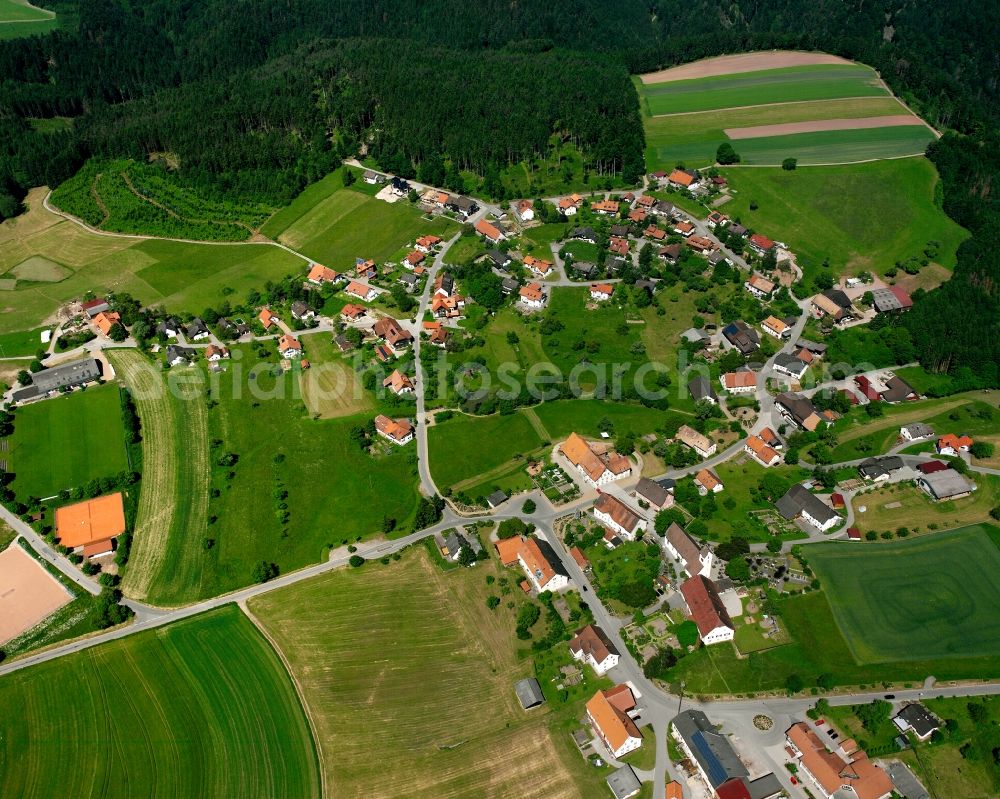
x=398 y=383
x=700 y=244
x=427 y=243
x=790 y=365
x=637 y=215
x=105 y=321
x=915 y=431
x=95 y=306
x=585 y=269
x=601 y=291
x=232 y=329
x=532 y=296
x=761 y=452
x=569 y=205
x=585 y=234
x=619 y=517
x=654 y=233
x=645 y=201
x=743 y=381
x=463 y=206
x=525 y=210
x=214 y=353
x=499 y=259
x=489 y=231
x=742 y=337
x=444 y=284
x=760 y=287
x=798 y=502
x=399 y=186
x=670 y=253
x=537 y=265
x=621 y=231
x=708 y=610
x=667 y=210
x=761 y=244
x=836 y=774
x=92 y=525
x=596 y=469
x=917 y=719
x=437 y=336
x=618 y=246
x=879 y=470
x=608 y=712
x=393 y=334
x=289 y=347
x=833 y=303
x=591 y=646
x=700 y=388
x=352 y=312
x=606 y=207
x=776 y=328
x=683 y=179
x=950 y=444
x=695 y=559
x=398 y=431
x=179 y=356
x=409 y=281
x=372 y=178
x=797 y=410
x=769 y=437
x=413 y=259
x=684 y=228
x=580 y=559
x=946 y=484
x=447 y=307
x=302 y=312
x=654 y=494
x=690 y=437
x=360 y=290
x=715 y=219
x=265 y=317
x=319 y=274
x=708 y=482
x=898 y=390
x=364 y=268
x=540 y=565
x=197 y=330
x=709 y=750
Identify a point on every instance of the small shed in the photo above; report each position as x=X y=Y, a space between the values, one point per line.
x=529 y=692
x=496 y=498
x=623 y=783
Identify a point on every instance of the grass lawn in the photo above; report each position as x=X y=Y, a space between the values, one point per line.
x=22 y=342
x=200 y=708
x=331 y=388
x=933 y=597
x=733 y=507
x=908 y=506
x=335 y=491
x=562 y=417
x=784 y=85
x=692 y=139
x=836 y=146
x=183 y=277
x=66 y=442
x=944 y=769
x=863 y=217
x=20 y=18
x=458 y=450
x=349 y=224
x=375 y=652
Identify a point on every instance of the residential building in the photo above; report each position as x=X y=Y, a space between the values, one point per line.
x=670 y=253
x=684 y=228
x=776 y=328
x=760 y=286
x=365 y=268
x=898 y=390
x=741 y=382
x=540 y=565
x=707 y=482
x=390 y=331
x=708 y=610
x=917 y=719
x=447 y=307
x=769 y=437
x=946 y=484
x=444 y=284
x=716 y=218
x=302 y=312
x=950 y=444
x=409 y=281
x=352 y=312
x=463 y=206
x=581 y=560
x=601 y=291
x=597 y=469
x=360 y=290
x=817 y=350
x=697 y=559
x=289 y=346
x=683 y=179
x=398 y=383
x=690 y=437
x=265 y=317
x=619 y=517
x=399 y=186
x=798 y=502
x=790 y=365
x=608 y=712
x=606 y=207
x=179 y=356
x=319 y=274
x=761 y=452
x=590 y=645
x=372 y=178
x=710 y=751
x=489 y=231
x=537 y=265
x=741 y=336
x=585 y=269
x=427 y=243
x=700 y=244
x=797 y=410
x=836 y=774
x=499 y=259
x=655 y=495
x=916 y=431
x=761 y=244
x=833 y=303
x=215 y=353
x=532 y=296
x=618 y=246
x=568 y=205
x=880 y=469
x=587 y=234
x=398 y=431
x=525 y=210
x=700 y=388
x=413 y=259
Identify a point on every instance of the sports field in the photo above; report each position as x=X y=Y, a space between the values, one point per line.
x=408 y=678
x=783 y=85
x=66 y=442
x=862 y=217
x=202 y=708
x=185 y=277
x=931 y=597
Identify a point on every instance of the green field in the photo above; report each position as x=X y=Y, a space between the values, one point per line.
x=202 y=708
x=341 y=225
x=785 y=85
x=692 y=139
x=408 y=678
x=183 y=277
x=583 y=416
x=836 y=146
x=937 y=596
x=862 y=217
x=22 y=343
x=199 y=544
x=66 y=442
x=20 y=18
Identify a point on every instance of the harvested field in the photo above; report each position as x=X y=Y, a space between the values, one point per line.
x=28 y=595
x=815 y=125
x=407 y=661
x=175 y=480
x=741 y=62
x=331 y=389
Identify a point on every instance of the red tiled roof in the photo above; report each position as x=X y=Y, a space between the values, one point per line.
x=705 y=605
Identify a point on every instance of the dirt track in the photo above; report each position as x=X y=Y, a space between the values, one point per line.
x=743 y=62
x=812 y=126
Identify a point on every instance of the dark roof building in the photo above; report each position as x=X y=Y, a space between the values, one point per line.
x=798 y=501
x=917 y=718
x=584 y=234
x=743 y=337
x=711 y=752
x=880 y=468
x=496 y=498
x=623 y=783
x=529 y=692
x=897 y=390
x=700 y=388
x=500 y=259
x=75 y=373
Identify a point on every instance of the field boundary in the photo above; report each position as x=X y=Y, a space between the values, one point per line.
x=772 y=105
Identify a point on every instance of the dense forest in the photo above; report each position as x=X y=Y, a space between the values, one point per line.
x=256 y=98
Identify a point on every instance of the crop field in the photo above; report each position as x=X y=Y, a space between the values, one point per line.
x=330 y=388
x=173 y=503
x=406 y=660
x=934 y=596
x=783 y=85
x=456 y=449
x=692 y=139
x=862 y=217
x=200 y=708
x=837 y=146
x=65 y=442
x=583 y=416
x=184 y=277
x=348 y=224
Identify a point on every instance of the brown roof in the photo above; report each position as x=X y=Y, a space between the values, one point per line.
x=428 y=241
x=705 y=605
x=212 y=350
x=620 y=513
x=353 y=311
x=396 y=429
x=397 y=381
x=90 y=521
x=602 y=288
x=486 y=229
x=686 y=547
x=691 y=437
x=98 y=547
x=769 y=437
x=743 y=379
x=681 y=177
x=674 y=790
x=707 y=479
x=761 y=283
x=775 y=324
x=358 y=289
x=827 y=305
x=581 y=560
x=106 y=320
x=609 y=205
x=389 y=329
x=537 y=264
x=615 y=726
x=761 y=241
x=832 y=772
x=592 y=641
x=535 y=561
x=508 y=550
x=582 y=456
x=415 y=257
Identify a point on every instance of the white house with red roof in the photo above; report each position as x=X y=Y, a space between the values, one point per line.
x=708 y=610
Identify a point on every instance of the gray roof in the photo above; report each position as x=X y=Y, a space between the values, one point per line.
x=798 y=406
x=790 y=363
x=509 y=285
x=496 y=498
x=694 y=334
x=455 y=541
x=623 y=783
x=885 y=300
x=741 y=336
x=946 y=483
x=920 y=718
x=585 y=267
x=798 y=499
x=75 y=373
x=619 y=230
x=583 y=233
x=529 y=692
x=876 y=467
x=499 y=258
x=174 y=352
x=701 y=388
x=812 y=346
x=762 y=787
x=904 y=782
x=197 y=327
x=655 y=493
x=896 y=389
x=713 y=751
x=919 y=430
x=839 y=297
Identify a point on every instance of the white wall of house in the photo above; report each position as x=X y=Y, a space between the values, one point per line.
x=600 y=667
x=718 y=635
x=607 y=521
x=832 y=522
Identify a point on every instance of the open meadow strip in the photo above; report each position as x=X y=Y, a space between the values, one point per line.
x=174 y=497
x=406 y=660
x=201 y=708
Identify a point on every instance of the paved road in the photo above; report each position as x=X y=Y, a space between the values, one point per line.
x=45 y=551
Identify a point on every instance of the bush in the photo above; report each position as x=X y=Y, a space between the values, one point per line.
x=789 y=164
x=725 y=154
x=528 y=507
x=794 y=684
x=356 y=561
x=264 y=571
